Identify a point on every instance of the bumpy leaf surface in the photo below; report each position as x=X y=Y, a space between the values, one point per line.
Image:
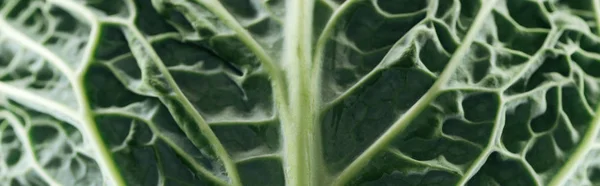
x=299 y=92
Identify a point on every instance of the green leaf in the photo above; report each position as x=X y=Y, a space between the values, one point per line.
x=299 y=92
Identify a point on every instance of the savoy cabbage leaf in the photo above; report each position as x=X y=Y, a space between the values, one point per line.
x=299 y=92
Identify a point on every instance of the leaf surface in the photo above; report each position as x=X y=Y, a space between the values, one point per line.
x=299 y=92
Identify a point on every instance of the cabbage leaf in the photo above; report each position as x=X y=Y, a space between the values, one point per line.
x=299 y=92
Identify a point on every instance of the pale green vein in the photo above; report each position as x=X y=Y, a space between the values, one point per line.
x=258 y=122
x=274 y=71
x=101 y=154
x=256 y=157
x=332 y=5
x=352 y=89
x=126 y=141
x=390 y=56
x=279 y=84
x=7 y=7
x=580 y=152
x=400 y=15
x=592 y=55
x=596 y=6
x=533 y=62
x=77 y=9
x=14 y=61
x=504 y=50
x=362 y=160
x=580 y=84
x=18 y=37
x=318 y=57
x=164 y=36
x=467 y=88
x=586 y=144
x=160 y=165
x=21 y=133
x=438 y=164
x=537 y=90
x=565 y=119
x=324 y=37
x=536 y=60
x=28 y=12
x=494 y=139
x=520 y=158
x=188 y=107
x=157 y=132
x=57 y=109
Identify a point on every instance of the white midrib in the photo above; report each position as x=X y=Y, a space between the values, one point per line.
x=300 y=134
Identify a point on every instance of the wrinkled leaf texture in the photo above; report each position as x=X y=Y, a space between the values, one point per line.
x=299 y=92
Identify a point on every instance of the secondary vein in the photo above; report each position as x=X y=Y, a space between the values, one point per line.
x=348 y=173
